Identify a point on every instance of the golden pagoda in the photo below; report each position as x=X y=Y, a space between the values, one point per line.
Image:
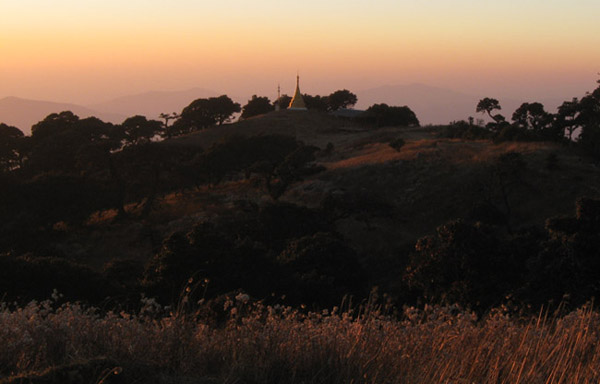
x=297 y=103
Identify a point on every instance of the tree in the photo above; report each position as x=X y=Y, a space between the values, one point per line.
x=319 y=103
x=63 y=142
x=341 y=99
x=384 y=115
x=142 y=173
x=9 y=146
x=223 y=108
x=166 y=117
x=204 y=113
x=207 y=252
x=138 y=129
x=284 y=101
x=53 y=124
x=294 y=167
x=532 y=116
x=462 y=263
x=568 y=262
x=256 y=106
x=397 y=144
x=487 y=105
x=566 y=118
x=322 y=268
x=589 y=120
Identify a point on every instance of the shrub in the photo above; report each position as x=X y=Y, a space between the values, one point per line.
x=462 y=263
x=464 y=130
x=397 y=144
x=322 y=269
x=27 y=278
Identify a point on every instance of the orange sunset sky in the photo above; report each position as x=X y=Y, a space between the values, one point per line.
x=88 y=51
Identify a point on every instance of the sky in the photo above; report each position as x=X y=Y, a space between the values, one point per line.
x=88 y=51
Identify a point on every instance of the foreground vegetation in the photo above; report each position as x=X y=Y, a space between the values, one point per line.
x=279 y=217
x=254 y=343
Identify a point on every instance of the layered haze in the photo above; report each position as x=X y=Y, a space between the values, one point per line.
x=90 y=53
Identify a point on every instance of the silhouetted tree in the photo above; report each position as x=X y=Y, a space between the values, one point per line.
x=204 y=113
x=224 y=108
x=62 y=142
x=568 y=262
x=319 y=103
x=566 y=118
x=464 y=130
x=256 y=106
x=9 y=147
x=384 y=115
x=142 y=173
x=397 y=144
x=462 y=263
x=237 y=154
x=532 y=116
x=589 y=120
x=284 y=102
x=207 y=253
x=321 y=269
x=295 y=166
x=138 y=129
x=341 y=99
x=487 y=105
x=167 y=117
x=53 y=124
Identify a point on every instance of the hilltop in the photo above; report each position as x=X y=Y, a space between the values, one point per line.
x=380 y=200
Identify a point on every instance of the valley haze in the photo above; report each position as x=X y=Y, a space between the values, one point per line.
x=432 y=105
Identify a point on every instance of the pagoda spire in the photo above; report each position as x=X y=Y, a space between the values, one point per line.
x=297 y=103
x=278 y=102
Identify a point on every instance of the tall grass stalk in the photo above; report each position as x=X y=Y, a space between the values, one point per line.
x=264 y=344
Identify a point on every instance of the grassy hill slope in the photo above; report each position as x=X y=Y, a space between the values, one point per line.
x=388 y=198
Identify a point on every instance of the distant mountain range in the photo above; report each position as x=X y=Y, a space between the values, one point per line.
x=152 y=104
x=23 y=113
x=432 y=105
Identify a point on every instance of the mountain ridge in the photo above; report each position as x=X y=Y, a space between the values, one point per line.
x=431 y=104
x=23 y=113
x=152 y=103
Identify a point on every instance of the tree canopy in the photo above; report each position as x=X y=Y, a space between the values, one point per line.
x=138 y=129
x=341 y=99
x=589 y=119
x=204 y=113
x=256 y=106
x=384 y=115
x=9 y=146
x=487 y=105
x=284 y=101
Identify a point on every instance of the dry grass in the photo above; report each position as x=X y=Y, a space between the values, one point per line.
x=260 y=344
x=452 y=151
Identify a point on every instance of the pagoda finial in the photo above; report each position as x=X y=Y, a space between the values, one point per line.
x=278 y=103
x=297 y=102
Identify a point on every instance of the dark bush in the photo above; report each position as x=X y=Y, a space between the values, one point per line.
x=321 y=269
x=397 y=144
x=463 y=263
x=280 y=222
x=208 y=255
x=464 y=130
x=27 y=278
